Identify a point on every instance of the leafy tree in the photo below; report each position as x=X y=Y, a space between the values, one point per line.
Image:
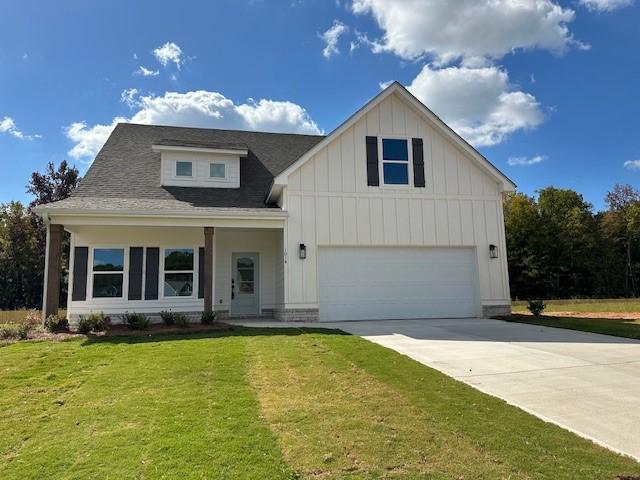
x=19 y=259
x=621 y=225
x=23 y=239
x=50 y=186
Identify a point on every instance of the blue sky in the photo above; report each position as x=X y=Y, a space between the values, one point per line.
x=547 y=90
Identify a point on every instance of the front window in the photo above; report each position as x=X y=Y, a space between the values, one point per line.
x=108 y=268
x=217 y=170
x=184 y=169
x=178 y=272
x=395 y=161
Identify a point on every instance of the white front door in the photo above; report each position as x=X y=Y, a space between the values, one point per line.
x=359 y=283
x=245 y=284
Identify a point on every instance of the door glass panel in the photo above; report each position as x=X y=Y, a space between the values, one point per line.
x=246 y=287
x=245 y=274
x=245 y=262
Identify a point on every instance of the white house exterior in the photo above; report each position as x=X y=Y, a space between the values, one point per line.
x=390 y=216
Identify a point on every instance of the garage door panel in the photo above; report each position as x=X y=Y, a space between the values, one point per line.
x=389 y=283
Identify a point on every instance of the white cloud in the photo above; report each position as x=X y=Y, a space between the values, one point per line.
x=331 y=37
x=478 y=103
x=472 y=30
x=169 y=52
x=605 y=5
x=129 y=97
x=194 y=109
x=525 y=162
x=146 y=72
x=8 y=126
x=632 y=164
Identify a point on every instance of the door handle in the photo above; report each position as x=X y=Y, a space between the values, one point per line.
x=233 y=288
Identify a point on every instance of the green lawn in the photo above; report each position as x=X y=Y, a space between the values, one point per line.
x=265 y=404
x=607 y=326
x=588 y=305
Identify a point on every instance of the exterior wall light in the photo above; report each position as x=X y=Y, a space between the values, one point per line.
x=303 y=251
x=493 y=251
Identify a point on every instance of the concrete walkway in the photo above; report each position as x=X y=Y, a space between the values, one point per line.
x=586 y=383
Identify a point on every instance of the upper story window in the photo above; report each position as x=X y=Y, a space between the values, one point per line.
x=184 y=169
x=395 y=161
x=108 y=268
x=217 y=170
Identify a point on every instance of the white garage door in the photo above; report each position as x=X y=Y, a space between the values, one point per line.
x=395 y=283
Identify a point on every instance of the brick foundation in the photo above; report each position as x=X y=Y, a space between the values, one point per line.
x=489 y=311
x=297 y=314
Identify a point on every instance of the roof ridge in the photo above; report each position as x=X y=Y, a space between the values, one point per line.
x=120 y=124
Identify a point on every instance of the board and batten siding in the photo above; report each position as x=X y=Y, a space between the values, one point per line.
x=330 y=204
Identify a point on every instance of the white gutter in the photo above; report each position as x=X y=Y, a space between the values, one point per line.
x=45 y=213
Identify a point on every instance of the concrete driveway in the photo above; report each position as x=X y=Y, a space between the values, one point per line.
x=584 y=382
x=587 y=383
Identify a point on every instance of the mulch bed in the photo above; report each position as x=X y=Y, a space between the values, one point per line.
x=41 y=334
x=161 y=329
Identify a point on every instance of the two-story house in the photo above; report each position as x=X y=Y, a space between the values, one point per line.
x=390 y=216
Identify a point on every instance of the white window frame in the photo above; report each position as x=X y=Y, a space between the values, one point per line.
x=382 y=161
x=124 y=272
x=226 y=172
x=175 y=169
x=194 y=272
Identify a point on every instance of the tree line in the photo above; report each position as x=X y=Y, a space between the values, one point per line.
x=557 y=245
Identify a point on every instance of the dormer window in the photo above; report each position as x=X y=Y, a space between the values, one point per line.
x=208 y=165
x=217 y=170
x=184 y=169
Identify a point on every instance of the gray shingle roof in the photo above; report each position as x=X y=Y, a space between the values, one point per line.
x=127 y=169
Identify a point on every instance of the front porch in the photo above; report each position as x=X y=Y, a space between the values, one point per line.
x=236 y=271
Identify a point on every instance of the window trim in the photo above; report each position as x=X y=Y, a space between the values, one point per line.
x=175 y=170
x=382 y=161
x=225 y=178
x=194 y=272
x=124 y=272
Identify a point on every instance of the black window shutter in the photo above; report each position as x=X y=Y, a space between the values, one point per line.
x=80 y=259
x=418 y=162
x=373 y=177
x=151 y=276
x=201 y=272
x=135 y=273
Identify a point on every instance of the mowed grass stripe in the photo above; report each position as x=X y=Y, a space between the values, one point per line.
x=346 y=408
x=178 y=408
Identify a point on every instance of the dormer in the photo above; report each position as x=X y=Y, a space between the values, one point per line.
x=191 y=164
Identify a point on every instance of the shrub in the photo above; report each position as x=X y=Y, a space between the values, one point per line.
x=208 y=318
x=56 y=323
x=84 y=325
x=23 y=330
x=33 y=317
x=95 y=322
x=181 y=320
x=536 y=307
x=13 y=331
x=168 y=318
x=136 y=321
x=99 y=322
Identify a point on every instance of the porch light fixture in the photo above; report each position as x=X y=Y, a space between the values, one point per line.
x=303 y=251
x=493 y=251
